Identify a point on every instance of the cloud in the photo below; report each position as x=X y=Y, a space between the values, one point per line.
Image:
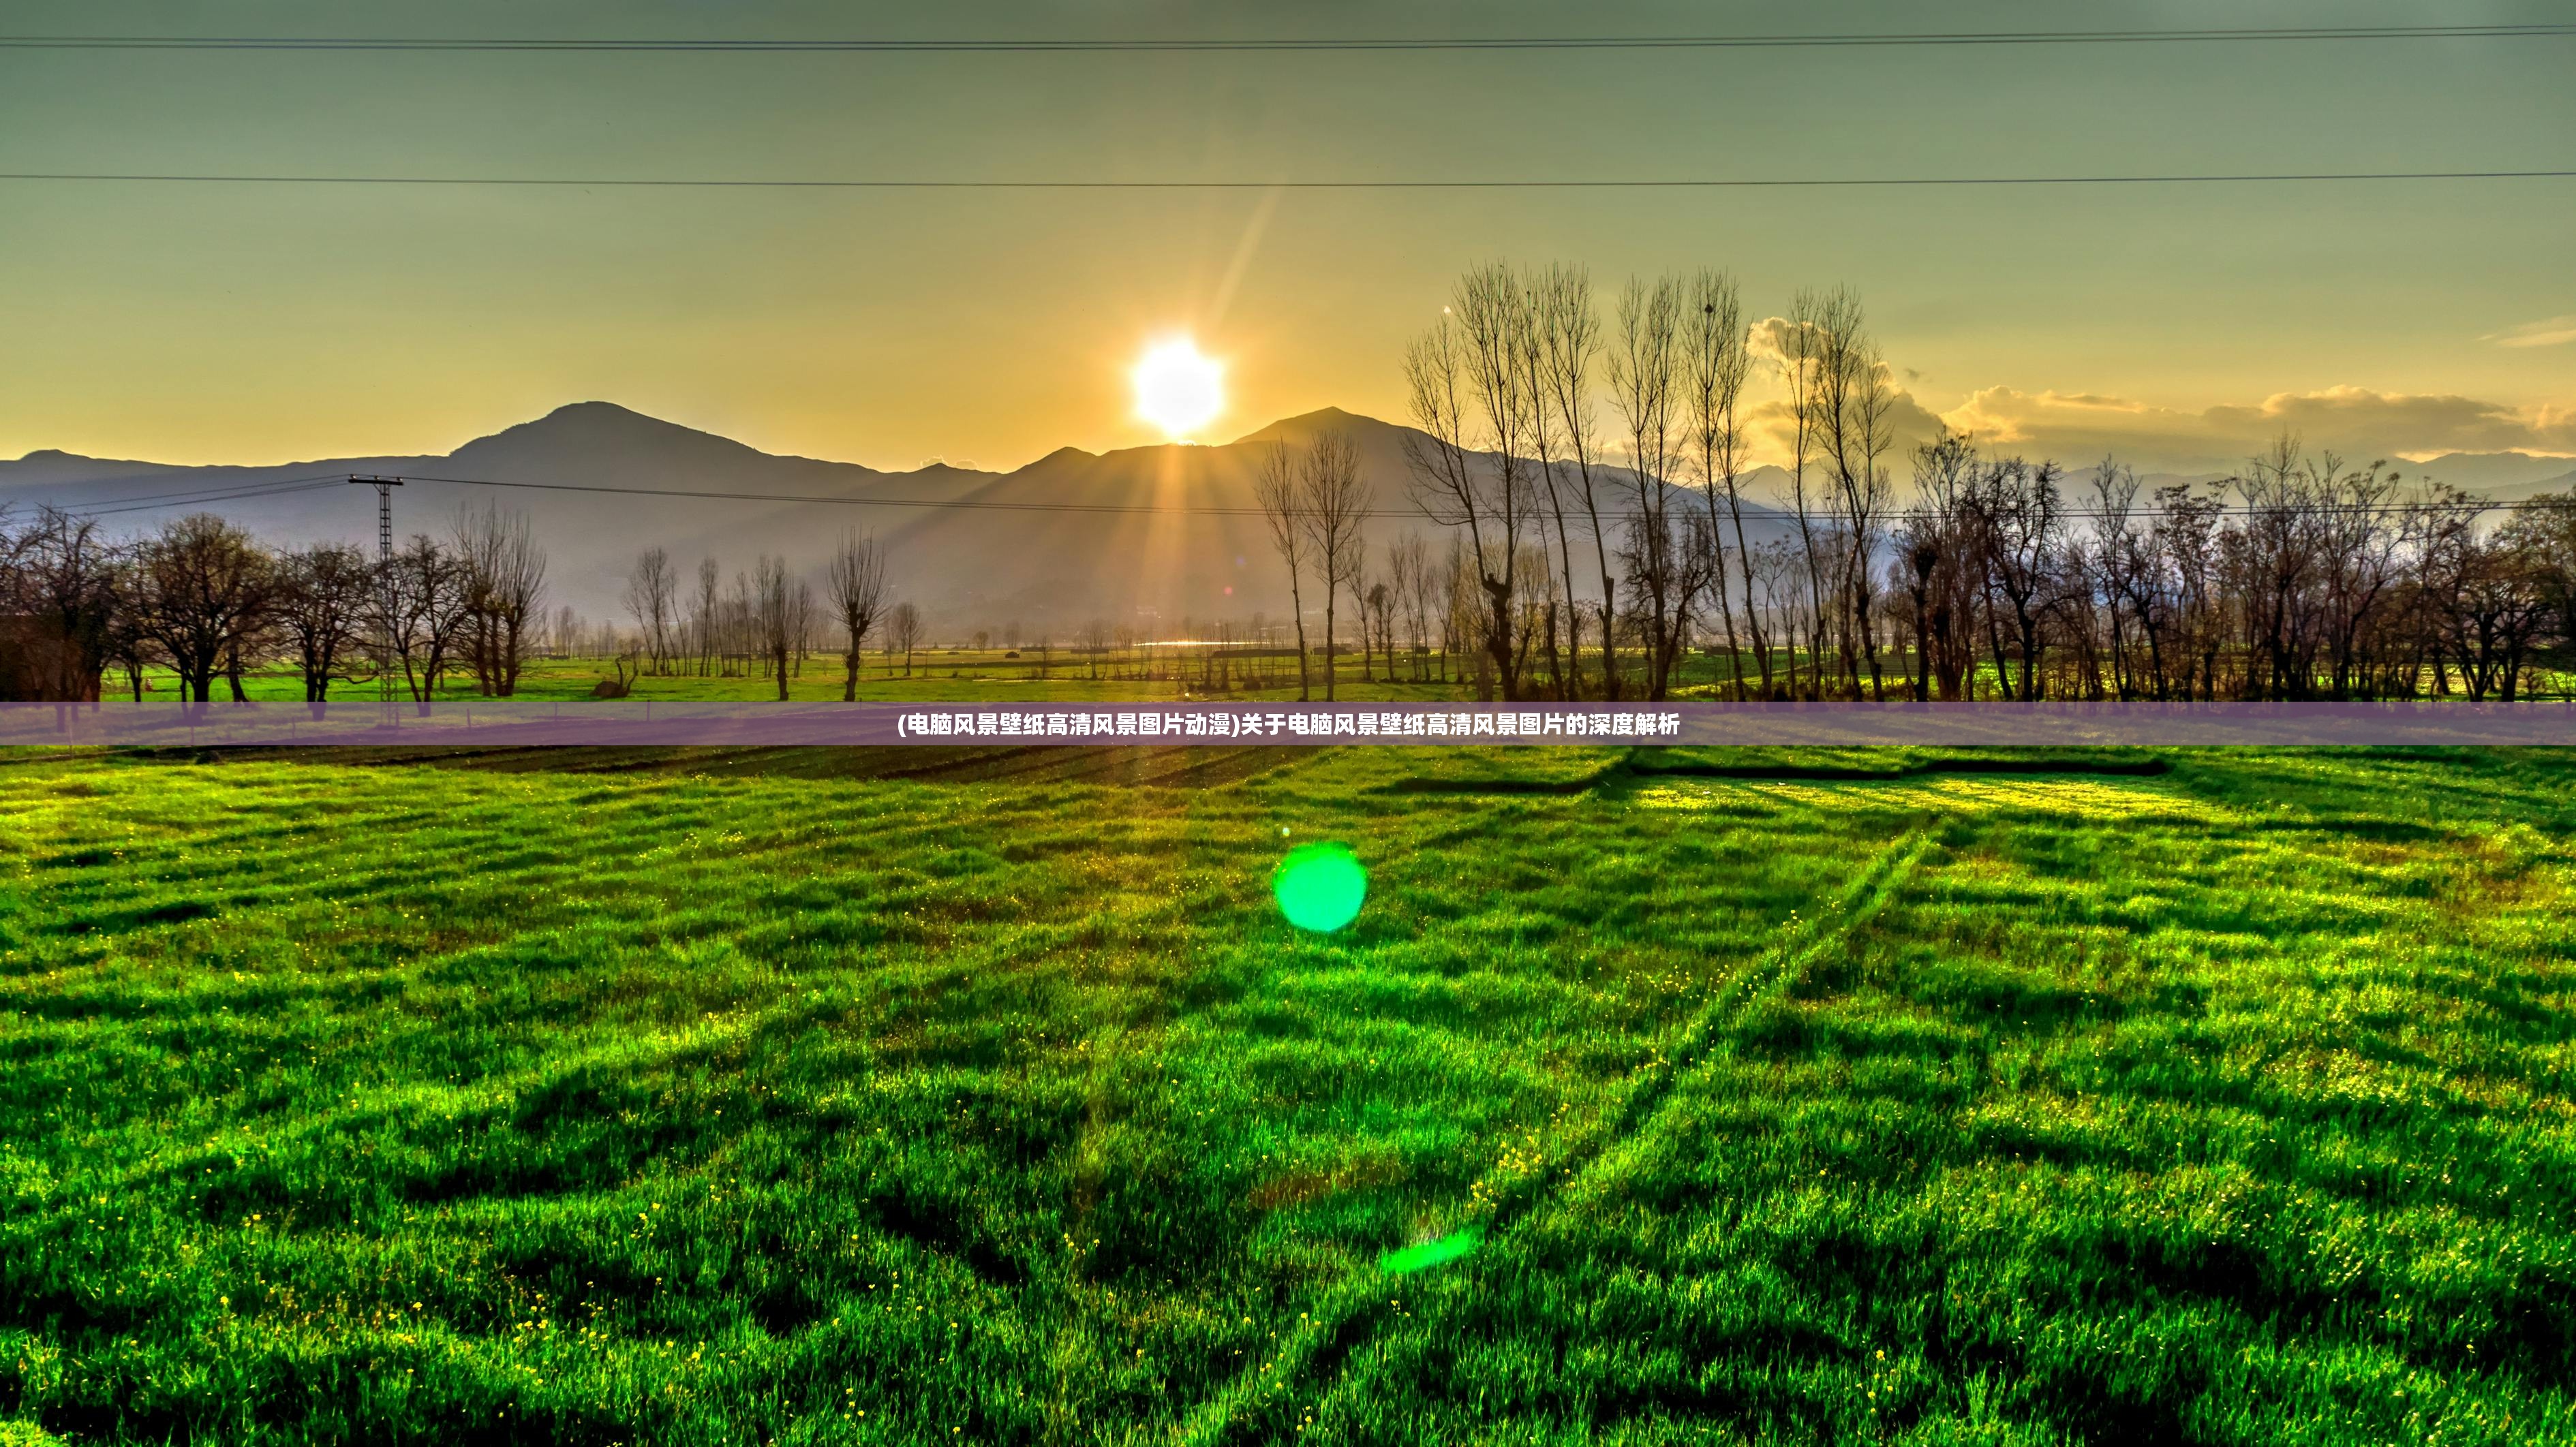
x=2355 y=421
x=2547 y=332
x=1909 y=424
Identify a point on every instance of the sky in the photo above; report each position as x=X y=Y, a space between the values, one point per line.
x=2176 y=325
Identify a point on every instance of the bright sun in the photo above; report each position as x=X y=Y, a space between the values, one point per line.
x=1177 y=388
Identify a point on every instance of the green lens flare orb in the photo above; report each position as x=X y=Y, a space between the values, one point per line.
x=1320 y=887
x=1432 y=1253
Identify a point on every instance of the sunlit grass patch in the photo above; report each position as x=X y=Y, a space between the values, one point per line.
x=396 y=1103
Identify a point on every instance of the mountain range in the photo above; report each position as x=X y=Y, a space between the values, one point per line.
x=1070 y=537
x=972 y=548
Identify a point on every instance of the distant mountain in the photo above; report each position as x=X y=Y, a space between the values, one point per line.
x=2564 y=482
x=2502 y=476
x=1149 y=541
x=49 y=468
x=1141 y=535
x=2505 y=476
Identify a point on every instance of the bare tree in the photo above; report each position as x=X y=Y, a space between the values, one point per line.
x=1525 y=341
x=855 y=583
x=1470 y=359
x=1643 y=390
x=1276 y=484
x=505 y=578
x=1716 y=362
x=2489 y=597
x=774 y=615
x=1940 y=568
x=903 y=633
x=706 y=615
x=60 y=623
x=420 y=610
x=202 y=587
x=1333 y=498
x=1796 y=354
x=2544 y=531
x=322 y=604
x=1852 y=398
x=2019 y=514
x=1094 y=643
x=1378 y=612
x=650 y=585
x=1408 y=569
x=1570 y=339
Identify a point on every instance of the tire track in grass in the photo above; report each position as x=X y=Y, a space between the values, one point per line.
x=1351 y=1312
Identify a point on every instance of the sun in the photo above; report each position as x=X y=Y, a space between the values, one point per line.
x=1178 y=388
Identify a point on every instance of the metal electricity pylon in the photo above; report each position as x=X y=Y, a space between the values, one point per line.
x=384 y=487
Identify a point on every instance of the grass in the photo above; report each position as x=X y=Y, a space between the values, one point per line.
x=983 y=1096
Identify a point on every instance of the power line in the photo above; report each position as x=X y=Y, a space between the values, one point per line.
x=203 y=501
x=1292 y=45
x=225 y=492
x=1406 y=184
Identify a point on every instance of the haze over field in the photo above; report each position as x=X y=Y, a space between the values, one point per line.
x=985 y=563
x=981 y=564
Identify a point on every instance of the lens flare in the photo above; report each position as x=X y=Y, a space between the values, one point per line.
x=1320 y=887
x=1432 y=1253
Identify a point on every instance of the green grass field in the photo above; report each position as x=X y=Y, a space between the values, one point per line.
x=985 y=1097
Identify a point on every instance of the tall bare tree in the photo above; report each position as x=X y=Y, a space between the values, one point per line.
x=420 y=611
x=1526 y=343
x=505 y=579
x=903 y=633
x=1644 y=359
x=1716 y=362
x=854 y=583
x=1795 y=351
x=706 y=614
x=1852 y=398
x=774 y=615
x=1093 y=640
x=1333 y=498
x=650 y=586
x=1465 y=386
x=1277 y=483
x=1408 y=568
x=1570 y=341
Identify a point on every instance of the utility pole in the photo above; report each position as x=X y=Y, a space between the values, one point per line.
x=384 y=487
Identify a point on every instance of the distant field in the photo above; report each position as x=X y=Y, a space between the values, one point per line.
x=983 y=1096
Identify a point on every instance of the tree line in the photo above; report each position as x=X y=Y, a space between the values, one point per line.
x=1595 y=477
x=204 y=599
x=770 y=620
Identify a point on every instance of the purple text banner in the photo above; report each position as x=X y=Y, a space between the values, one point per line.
x=507 y=723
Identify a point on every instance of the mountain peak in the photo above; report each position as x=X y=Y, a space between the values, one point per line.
x=1307 y=424
x=594 y=431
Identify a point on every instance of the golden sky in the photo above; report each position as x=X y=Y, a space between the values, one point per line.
x=263 y=323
